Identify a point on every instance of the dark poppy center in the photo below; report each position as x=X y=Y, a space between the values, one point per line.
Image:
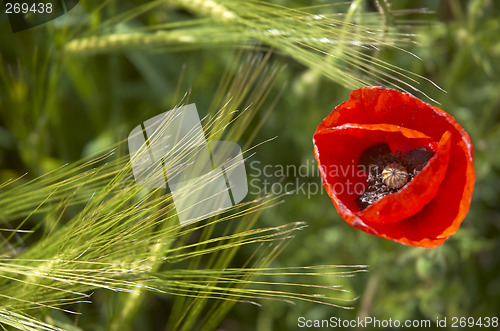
x=389 y=172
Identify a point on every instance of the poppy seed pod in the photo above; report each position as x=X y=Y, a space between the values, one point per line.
x=414 y=173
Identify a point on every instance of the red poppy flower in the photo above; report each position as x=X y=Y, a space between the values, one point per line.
x=396 y=167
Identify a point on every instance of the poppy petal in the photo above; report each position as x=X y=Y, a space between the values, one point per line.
x=414 y=215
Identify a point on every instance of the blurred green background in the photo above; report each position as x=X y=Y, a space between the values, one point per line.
x=93 y=101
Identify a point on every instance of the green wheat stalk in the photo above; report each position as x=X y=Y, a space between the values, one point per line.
x=123 y=238
x=327 y=43
x=96 y=229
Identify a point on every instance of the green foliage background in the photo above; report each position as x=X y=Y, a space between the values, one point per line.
x=98 y=98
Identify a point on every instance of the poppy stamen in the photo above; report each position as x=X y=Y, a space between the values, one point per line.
x=395 y=176
x=389 y=172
